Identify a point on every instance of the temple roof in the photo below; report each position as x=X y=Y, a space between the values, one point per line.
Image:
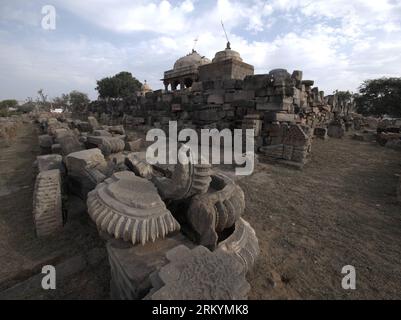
x=227 y=54
x=192 y=59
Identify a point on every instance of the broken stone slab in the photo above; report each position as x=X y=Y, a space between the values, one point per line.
x=107 y=145
x=50 y=162
x=136 y=162
x=47 y=205
x=131 y=266
x=77 y=162
x=69 y=144
x=242 y=243
x=93 y=123
x=45 y=141
x=199 y=274
x=130 y=208
x=134 y=145
x=211 y=213
x=104 y=133
x=86 y=169
x=117 y=129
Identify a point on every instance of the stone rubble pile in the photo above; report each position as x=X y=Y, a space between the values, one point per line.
x=154 y=218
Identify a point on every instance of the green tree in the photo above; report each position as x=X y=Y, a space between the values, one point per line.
x=121 y=85
x=62 y=102
x=78 y=101
x=380 y=97
x=7 y=104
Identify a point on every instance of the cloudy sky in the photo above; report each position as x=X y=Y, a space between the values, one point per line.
x=337 y=43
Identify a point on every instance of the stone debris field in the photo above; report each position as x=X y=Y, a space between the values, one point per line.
x=78 y=192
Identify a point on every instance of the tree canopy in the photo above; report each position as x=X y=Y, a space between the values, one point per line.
x=121 y=85
x=380 y=97
x=7 y=104
x=75 y=101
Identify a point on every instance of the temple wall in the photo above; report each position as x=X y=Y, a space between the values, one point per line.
x=282 y=108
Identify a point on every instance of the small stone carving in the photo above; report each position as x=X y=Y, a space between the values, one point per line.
x=199 y=274
x=47 y=205
x=216 y=210
x=130 y=208
x=243 y=243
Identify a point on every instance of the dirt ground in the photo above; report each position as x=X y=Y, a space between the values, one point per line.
x=340 y=210
x=22 y=254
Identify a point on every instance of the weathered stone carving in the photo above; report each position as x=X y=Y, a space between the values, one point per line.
x=136 y=162
x=47 y=205
x=130 y=208
x=243 y=243
x=216 y=210
x=86 y=169
x=107 y=145
x=186 y=180
x=199 y=274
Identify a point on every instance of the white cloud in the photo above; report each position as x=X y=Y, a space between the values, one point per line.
x=336 y=43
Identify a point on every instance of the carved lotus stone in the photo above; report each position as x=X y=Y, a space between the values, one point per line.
x=47 y=204
x=218 y=209
x=129 y=208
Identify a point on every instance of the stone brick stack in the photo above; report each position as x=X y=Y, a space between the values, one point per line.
x=270 y=103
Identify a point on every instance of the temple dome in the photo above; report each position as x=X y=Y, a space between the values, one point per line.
x=146 y=87
x=193 y=59
x=227 y=54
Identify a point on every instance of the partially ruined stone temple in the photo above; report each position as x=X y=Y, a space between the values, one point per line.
x=226 y=65
x=284 y=109
x=185 y=71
